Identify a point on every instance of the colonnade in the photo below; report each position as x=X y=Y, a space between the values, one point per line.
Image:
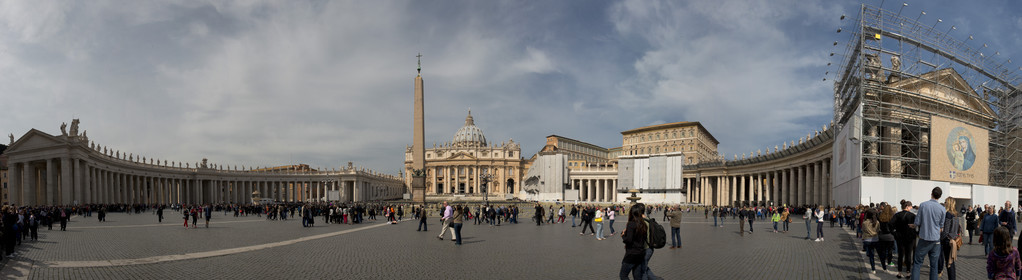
x=464 y=179
x=68 y=181
x=595 y=190
x=808 y=183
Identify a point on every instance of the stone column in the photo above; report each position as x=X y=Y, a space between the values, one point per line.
x=707 y=191
x=101 y=186
x=86 y=189
x=688 y=190
x=803 y=184
x=756 y=188
x=788 y=189
x=811 y=190
x=106 y=187
x=15 y=185
x=828 y=186
x=797 y=186
x=819 y=183
x=741 y=189
x=29 y=190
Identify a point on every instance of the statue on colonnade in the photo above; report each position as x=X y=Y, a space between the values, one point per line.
x=74 y=127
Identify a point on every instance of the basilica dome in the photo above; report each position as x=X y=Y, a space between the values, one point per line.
x=469 y=135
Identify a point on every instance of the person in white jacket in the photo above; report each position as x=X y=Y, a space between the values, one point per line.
x=819 y=222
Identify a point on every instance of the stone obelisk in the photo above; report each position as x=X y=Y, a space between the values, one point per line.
x=418 y=194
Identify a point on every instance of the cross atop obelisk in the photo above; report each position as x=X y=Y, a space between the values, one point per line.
x=418 y=172
x=419 y=70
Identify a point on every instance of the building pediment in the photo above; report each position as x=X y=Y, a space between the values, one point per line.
x=948 y=86
x=35 y=139
x=461 y=155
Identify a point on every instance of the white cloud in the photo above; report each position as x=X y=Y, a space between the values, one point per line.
x=726 y=64
x=326 y=82
x=536 y=61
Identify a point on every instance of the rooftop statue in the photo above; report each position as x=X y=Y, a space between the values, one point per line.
x=74 y=127
x=63 y=129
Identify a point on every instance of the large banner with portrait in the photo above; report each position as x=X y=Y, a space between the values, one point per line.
x=960 y=152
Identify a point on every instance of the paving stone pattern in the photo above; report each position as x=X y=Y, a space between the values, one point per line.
x=518 y=251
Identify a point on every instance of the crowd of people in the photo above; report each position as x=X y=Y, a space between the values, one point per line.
x=912 y=232
x=915 y=232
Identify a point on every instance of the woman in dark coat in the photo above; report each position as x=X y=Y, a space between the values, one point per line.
x=634 y=237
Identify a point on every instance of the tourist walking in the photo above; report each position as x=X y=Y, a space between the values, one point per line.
x=209 y=214
x=422 y=214
x=446 y=220
x=574 y=213
x=1003 y=262
x=33 y=226
x=905 y=235
x=950 y=239
x=539 y=214
x=195 y=217
x=885 y=235
x=870 y=227
x=723 y=215
x=675 y=218
x=750 y=215
x=715 y=212
x=587 y=221
x=598 y=219
x=819 y=222
x=741 y=222
x=457 y=219
x=807 y=216
x=634 y=237
x=185 y=211
x=971 y=223
x=775 y=218
x=929 y=220
x=64 y=216
x=786 y=217
x=988 y=226
x=159 y=214
x=610 y=217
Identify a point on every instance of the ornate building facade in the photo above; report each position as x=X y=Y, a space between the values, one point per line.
x=690 y=138
x=461 y=166
x=68 y=169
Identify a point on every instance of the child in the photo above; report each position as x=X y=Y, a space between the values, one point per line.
x=775 y=218
x=1003 y=262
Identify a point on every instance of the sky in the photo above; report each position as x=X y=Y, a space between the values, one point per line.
x=265 y=83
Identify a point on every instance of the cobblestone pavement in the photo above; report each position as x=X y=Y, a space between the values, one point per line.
x=378 y=251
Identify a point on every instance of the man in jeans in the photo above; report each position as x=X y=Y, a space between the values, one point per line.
x=929 y=221
x=675 y=217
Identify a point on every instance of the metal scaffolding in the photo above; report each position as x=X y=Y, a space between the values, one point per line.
x=978 y=89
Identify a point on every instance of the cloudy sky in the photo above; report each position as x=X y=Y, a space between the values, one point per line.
x=260 y=83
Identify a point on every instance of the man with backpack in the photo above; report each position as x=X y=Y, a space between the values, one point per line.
x=657 y=239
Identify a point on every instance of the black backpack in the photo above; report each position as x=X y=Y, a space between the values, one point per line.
x=657 y=235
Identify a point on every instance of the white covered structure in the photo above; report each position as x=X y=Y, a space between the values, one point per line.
x=657 y=177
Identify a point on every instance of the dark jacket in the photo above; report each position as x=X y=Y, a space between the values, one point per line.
x=901 y=222
x=635 y=243
x=970 y=220
x=989 y=224
x=886 y=231
x=951 y=227
x=1008 y=217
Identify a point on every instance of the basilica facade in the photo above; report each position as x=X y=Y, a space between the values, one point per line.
x=463 y=166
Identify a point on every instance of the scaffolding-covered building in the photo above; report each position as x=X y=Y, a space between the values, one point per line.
x=917 y=108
